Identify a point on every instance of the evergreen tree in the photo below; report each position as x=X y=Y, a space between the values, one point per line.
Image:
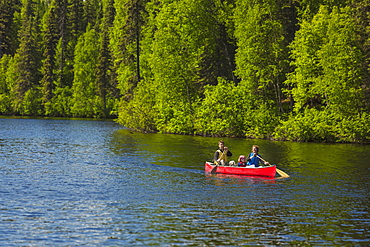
x=27 y=60
x=307 y=9
x=92 y=13
x=362 y=13
x=105 y=77
x=125 y=44
x=50 y=41
x=218 y=59
x=8 y=28
x=137 y=110
x=76 y=26
x=76 y=18
x=68 y=32
x=61 y=70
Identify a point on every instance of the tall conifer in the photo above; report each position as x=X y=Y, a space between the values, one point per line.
x=8 y=29
x=50 y=41
x=27 y=57
x=125 y=44
x=105 y=77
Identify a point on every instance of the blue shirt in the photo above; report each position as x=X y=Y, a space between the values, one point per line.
x=253 y=160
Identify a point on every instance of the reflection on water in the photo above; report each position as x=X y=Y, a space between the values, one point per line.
x=89 y=183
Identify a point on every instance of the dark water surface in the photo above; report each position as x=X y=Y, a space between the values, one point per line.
x=93 y=183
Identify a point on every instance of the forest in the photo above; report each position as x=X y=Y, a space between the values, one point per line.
x=295 y=70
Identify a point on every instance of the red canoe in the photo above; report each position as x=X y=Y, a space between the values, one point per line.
x=267 y=171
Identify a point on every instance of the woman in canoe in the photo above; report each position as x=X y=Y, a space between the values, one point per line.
x=253 y=158
x=220 y=157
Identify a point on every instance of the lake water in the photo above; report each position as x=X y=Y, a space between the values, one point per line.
x=94 y=183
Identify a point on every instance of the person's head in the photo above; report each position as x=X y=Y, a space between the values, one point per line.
x=255 y=149
x=241 y=158
x=221 y=144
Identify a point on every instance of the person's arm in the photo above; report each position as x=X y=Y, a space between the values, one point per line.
x=265 y=162
x=216 y=156
x=250 y=157
x=229 y=153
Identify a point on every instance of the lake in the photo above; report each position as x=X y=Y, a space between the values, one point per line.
x=95 y=183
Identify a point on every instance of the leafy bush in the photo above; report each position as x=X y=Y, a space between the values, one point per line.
x=229 y=110
x=220 y=113
x=261 y=121
x=323 y=126
x=138 y=113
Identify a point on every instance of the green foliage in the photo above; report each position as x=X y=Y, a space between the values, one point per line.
x=84 y=98
x=354 y=128
x=261 y=120
x=329 y=71
x=139 y=113
x=4 y=63
x=106 y=87
x=50 y=32
x=328 y=82
x=323 y=126
x=31 y=104
x=178 y=40
x=262 y=54
x=125 y=38
x=221 y=113
x=312 y=125
x=60 y=105
x=26 y=57
x=5 y=104
x=229 y=110
x=308 y=8
x=219 y=68
x=5 y=100
x=8 y=26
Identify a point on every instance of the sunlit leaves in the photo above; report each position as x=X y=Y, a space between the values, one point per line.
x=84 y=85
x=328 y=62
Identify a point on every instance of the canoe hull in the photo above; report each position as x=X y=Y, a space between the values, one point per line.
x=268 y=171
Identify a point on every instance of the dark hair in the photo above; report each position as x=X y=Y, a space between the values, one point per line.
x=221 y=141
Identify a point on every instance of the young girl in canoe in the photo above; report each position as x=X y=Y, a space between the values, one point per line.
x=242 y=161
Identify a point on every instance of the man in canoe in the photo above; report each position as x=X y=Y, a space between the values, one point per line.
x=220 y=157
x=254 y=158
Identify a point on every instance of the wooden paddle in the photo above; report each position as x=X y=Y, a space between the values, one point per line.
x=281 y=173
x=214 y=169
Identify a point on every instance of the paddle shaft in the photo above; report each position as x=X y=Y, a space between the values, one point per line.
x=281 y=173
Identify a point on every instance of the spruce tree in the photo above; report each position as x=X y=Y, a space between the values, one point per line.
x=105 y=77
x=8 y=28
x=125 y=44
x=50 y=41
x=27 y=59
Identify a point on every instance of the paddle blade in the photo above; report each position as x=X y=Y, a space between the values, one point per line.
x=214 y=169
x=281 y=173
